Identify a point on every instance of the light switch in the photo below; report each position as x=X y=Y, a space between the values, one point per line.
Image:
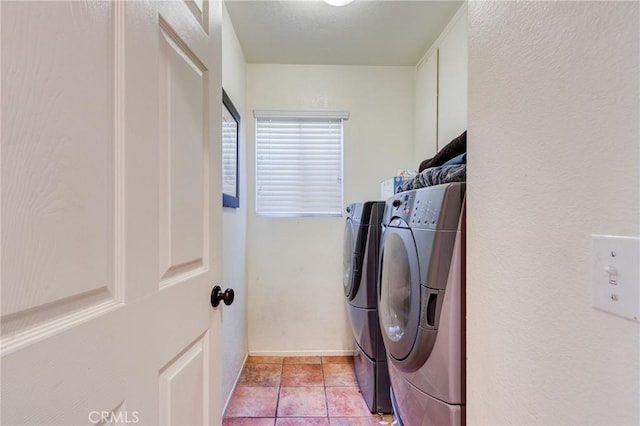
x=615 y=283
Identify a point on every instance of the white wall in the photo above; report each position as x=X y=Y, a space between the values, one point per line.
x=296 y=301
x=553 y=158
x=235 y=220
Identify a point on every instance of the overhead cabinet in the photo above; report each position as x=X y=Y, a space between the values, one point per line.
x=441 y=89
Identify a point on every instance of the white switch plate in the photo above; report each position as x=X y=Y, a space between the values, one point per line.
x=615 y=283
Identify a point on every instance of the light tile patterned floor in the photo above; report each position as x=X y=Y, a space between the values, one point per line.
x=299 y=391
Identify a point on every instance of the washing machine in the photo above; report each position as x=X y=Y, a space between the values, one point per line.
x=360 y=265
x=422 y=304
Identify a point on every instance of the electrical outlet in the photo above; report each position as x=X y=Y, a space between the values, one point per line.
x=615 y=283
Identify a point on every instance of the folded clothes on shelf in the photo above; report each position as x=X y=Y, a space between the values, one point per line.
x=435 y=176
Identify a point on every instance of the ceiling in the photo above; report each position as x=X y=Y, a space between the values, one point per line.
x=365 y=32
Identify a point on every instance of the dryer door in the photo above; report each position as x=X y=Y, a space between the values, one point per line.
x=350 y=269
x=399 y=296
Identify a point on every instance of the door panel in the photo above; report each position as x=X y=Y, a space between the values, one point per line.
x=58 y=216
x=110 y=210
x=184 y=109
x=184 y=386
x=200 y=10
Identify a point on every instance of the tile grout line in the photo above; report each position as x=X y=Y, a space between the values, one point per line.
x=324 y=385
x=275 y=415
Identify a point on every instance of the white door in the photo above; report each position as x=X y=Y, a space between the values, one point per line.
x=111 y=212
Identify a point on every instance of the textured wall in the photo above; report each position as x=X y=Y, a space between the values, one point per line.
x=235 y=220
x=554 y=157
x=296 y=300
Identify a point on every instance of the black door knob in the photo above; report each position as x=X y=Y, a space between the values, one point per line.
x=218 y=295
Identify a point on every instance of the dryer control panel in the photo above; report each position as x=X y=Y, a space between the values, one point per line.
x=434 y=207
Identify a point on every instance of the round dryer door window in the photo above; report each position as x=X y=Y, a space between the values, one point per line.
x=399 y=292
x=348 y=247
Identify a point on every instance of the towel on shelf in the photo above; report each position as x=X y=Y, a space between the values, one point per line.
x=452 y=149
x=460 y=159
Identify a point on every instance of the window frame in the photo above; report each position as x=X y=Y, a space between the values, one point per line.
x=232 y=200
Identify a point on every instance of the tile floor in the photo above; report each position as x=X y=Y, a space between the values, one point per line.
x=299 y=391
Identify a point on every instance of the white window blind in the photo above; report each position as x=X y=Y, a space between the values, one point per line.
x=298 y=165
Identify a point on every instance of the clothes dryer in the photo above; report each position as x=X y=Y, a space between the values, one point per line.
x=360 y=265
x=422 y=305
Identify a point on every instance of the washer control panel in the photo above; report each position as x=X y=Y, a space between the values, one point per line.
x=360 y=213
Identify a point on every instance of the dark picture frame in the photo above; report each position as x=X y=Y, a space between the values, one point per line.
x=230 y=148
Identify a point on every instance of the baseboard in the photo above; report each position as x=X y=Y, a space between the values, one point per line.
x=235 y=384
x=339 y=352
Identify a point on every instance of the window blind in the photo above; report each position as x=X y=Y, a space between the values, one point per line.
x=298 y=166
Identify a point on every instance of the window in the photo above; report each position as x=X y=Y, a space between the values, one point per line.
x=299 y=163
